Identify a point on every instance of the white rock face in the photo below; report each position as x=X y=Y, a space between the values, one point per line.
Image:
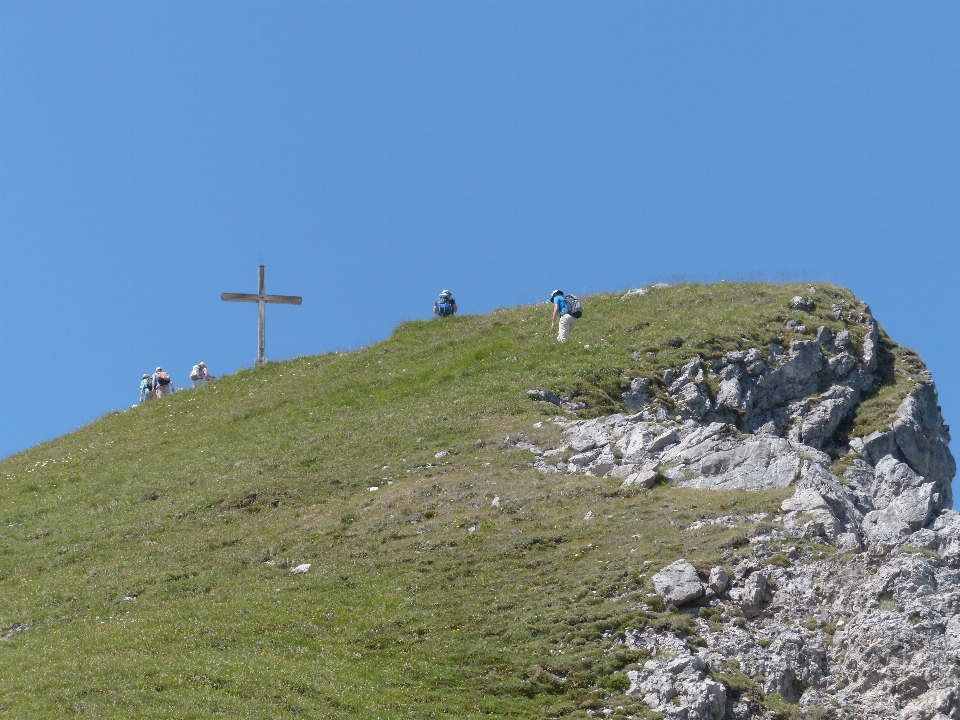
x=714 y=457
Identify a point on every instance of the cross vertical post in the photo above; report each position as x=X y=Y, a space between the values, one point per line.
x=261 y=298
x=262 y=319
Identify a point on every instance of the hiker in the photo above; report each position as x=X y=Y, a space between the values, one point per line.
x=146 y=389
x=162 y=383
x=200 y=375
x=568 y=309
x=445 y=304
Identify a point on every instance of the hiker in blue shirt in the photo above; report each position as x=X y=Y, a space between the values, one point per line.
x=445 y=304
x=146 y=389
x=568 y=309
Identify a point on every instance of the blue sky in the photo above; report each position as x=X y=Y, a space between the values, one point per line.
x=371 y=154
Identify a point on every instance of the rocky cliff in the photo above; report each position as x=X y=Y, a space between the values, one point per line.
x=848 y=601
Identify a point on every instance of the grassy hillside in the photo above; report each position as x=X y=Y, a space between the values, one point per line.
x=145 y=559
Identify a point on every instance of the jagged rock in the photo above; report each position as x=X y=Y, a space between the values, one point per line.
x=947 y=524
x=858 y=481
x=714 y=457
x=718 y=580
x=585 y=458
x=693 y=370
x=795 y=378
x=819 y=424
x=583 y=444
x=878 y=445
x=953 y=631
x=924 y=538
x=891 y=479
x=848 y=542
x=842 y=341
x=884 y=526
x=809 y=502
x=824 y=336
x=730 y=394
x=692 y=401
x=754 y=362
x=645 y=477
x=923 y=441
x=802 y=303
x=678 y=583
x=664 y=439
x=756 y=593
x=841 y=364
x=635 y=444
x=637 y=396
x=871 y=342
x=816 y=476
x=795 y=326
x=914 y=506
x=933 y=704
x=603 y=464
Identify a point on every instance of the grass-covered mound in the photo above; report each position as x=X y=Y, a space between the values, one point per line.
x=145 y=559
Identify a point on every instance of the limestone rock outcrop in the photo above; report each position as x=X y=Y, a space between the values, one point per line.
x=866 y=626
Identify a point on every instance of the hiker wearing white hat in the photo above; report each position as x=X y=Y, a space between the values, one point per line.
x=445 y=304
x=200 y=375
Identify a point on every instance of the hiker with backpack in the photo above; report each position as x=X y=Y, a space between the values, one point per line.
x=200 y=375
x=445 y=304
x=568 y=309
x=162 y=383
x=146 y=389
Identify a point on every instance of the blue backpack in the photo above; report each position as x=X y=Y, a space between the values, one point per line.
x=445 y=305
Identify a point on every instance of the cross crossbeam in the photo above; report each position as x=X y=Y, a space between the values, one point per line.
x=261 y=298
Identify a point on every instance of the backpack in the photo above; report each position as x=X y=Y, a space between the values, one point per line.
x=195 y=373
x=163 y=378
x=574 y=307
x=444 y=305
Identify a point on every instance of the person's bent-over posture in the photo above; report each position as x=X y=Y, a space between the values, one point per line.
x=567 y=322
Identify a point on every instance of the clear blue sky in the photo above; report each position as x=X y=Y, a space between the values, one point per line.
x=373 y=153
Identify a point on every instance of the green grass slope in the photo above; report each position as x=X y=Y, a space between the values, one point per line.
x=145 y=559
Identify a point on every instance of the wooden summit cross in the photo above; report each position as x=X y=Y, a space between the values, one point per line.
x=261 y=298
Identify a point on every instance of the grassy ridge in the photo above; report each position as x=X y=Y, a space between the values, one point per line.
x=195 y=507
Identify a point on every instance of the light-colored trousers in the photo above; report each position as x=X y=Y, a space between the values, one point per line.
x=198 y=383
x=567 y=323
